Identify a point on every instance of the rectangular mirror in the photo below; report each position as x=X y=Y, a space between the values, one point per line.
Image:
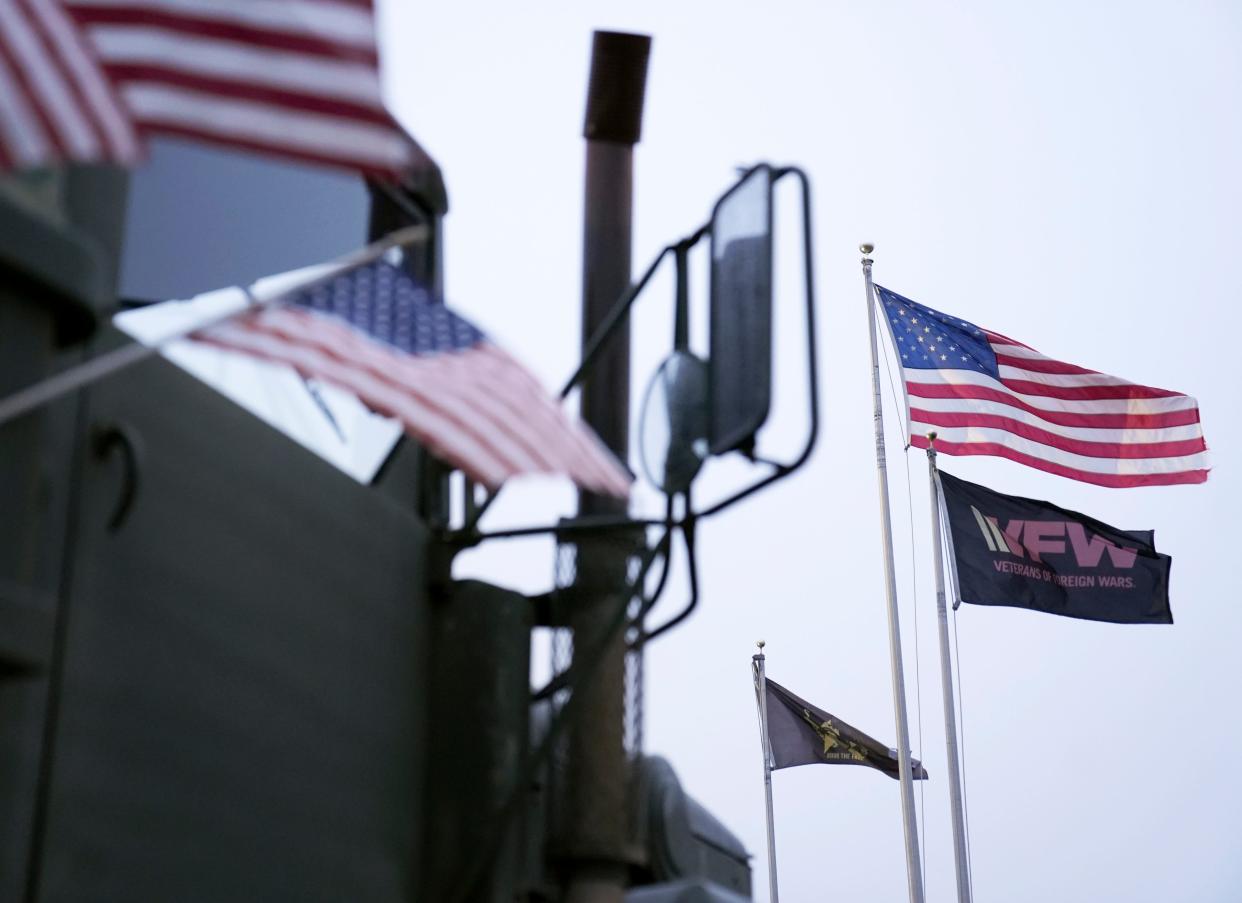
x=740 y=364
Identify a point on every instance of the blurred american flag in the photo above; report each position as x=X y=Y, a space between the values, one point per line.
x=374 y=332
x=86 y=80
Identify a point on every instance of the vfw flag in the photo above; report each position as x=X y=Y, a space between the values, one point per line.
x=985 y=394
x=1026 y=553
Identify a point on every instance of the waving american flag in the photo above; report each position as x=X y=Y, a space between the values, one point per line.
x=87 y=80
x=985 y=394
x=374 y=332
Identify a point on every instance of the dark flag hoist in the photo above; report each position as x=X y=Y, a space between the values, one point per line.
x=794 y=732
x=1027 y=553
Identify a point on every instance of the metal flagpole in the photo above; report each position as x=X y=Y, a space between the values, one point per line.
x=914 y=873
x=765 y=742
x=95 y=369
x=946 y=686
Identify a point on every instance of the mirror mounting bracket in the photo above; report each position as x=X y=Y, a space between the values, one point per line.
x=469 y=534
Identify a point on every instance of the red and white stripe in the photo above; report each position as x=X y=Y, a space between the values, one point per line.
x=298 y=78
x=478 y=409
x=1059 y=418
x=56 y=103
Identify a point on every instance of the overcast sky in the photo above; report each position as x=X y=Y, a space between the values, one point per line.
x=1064 y=173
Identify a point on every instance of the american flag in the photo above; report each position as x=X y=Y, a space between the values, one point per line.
x=985 y=394
x=374 y=332
x=87 y=80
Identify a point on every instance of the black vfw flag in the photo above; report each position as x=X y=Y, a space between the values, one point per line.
x=802 y=734
x=1026 y=553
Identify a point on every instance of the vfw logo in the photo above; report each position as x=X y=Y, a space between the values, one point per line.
x=1037 y=538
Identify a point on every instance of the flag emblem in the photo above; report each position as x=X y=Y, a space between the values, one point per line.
x=985 y=394
x=831 y=735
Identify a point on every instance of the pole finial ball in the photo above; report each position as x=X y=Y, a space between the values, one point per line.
x=931 y=437
x=761 y=644
x=866 y=248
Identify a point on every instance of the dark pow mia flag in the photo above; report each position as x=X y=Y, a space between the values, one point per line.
x=802 y=734
x=1026 y=553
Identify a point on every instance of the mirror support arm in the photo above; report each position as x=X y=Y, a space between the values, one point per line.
x=597 y=343
x=622 y=308
x=618 y=313
x=681 y=313
x=615 y=317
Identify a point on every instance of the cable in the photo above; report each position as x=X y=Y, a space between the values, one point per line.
x=918 y=671
x=914 y=595
x=687 y=536
x=961 y=728
x=648 y=602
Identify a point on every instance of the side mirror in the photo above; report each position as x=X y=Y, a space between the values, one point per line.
x=673 y=423
x=740 y=361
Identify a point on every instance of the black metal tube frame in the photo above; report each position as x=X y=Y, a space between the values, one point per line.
x=469 y=535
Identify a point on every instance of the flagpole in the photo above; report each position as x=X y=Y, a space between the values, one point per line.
x=96 y=368
x=765 y=742
x=946 y=686
x=914 y=873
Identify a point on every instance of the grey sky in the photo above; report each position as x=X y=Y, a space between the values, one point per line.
x=1064 y=173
